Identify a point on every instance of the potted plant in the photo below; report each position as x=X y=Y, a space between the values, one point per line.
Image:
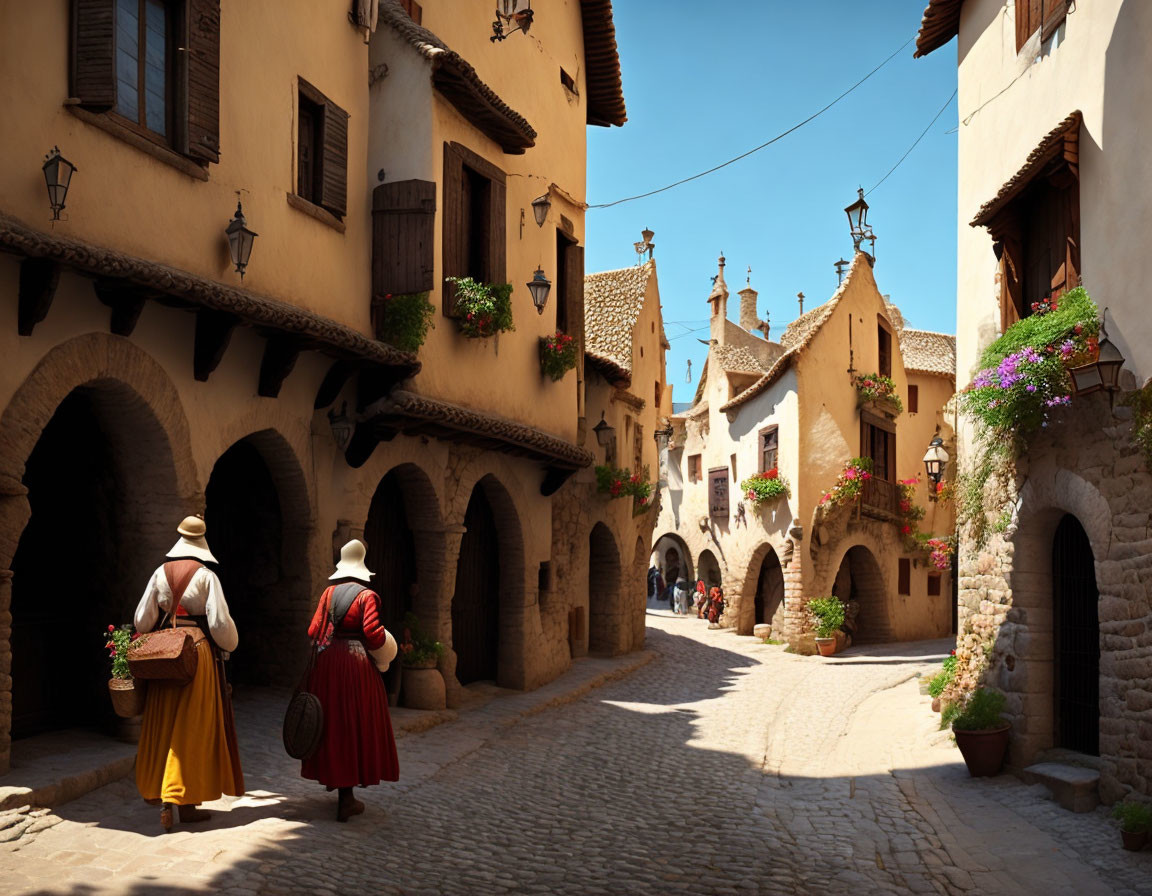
x=127 y=695
x=980 y=731
x=939 y=682
x=880 y=390
x=423 y=685
x=403 y=320
x=827 y=615
x=760 y=488
x=557 y=355
x=482 y=309
x=1135 y=823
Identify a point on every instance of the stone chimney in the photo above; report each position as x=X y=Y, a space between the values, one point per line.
x=718 y=299
x=749 y=319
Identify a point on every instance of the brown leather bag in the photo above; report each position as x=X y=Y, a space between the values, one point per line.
x=169 y=654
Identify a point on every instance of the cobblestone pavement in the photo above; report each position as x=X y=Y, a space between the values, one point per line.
x=724 y=766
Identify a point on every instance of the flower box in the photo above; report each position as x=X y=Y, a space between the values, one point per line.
x=482 y=309
x=878 y=392
x=763 y=488
x=557 y=355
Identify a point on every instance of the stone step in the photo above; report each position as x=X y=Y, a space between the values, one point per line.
x=1074 y=787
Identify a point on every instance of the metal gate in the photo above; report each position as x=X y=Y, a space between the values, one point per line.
x=1076 y=630
x=476 y=602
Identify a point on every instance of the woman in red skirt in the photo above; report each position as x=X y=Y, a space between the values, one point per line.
x=357 y=749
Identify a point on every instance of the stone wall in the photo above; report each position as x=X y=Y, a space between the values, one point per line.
x=1083 y=464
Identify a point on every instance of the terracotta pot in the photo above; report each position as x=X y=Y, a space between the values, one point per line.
x=127 y=697
x=423 y=688
x=935 y=704
x=1134 y=840
x=983 y=751
x=826 y=646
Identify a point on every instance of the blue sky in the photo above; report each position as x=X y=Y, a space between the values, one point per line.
x=706 y=82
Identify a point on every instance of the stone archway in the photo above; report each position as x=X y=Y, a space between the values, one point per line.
x=606 y=611
x=259 y=522
x=860 y=584
x=708 y=569
x=765 y=584
x=149 y=430
x=680 y=554
x=488 y=623
x=100 y=473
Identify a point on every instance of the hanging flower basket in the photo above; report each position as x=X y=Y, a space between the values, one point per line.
x=762 y=488
x=482 y=309
x=617 y=483
x=127 y=694
x=557 y=355
x=849 y=484
x=878 y=390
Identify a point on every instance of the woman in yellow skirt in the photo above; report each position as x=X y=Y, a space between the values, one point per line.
x=187 y=753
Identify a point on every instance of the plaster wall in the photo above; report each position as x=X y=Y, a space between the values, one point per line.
x=170 y=216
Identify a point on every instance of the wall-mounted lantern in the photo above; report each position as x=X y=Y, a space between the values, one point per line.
x=240 y=240
x=517 y=13
x=662 y=437
x=1104 y=372
x=342 y=426
x=539 y=286
x=604 y=432
x=540 y=208
x=645 y=244
x=935 y=463
x=58 y=173
x=858 y=220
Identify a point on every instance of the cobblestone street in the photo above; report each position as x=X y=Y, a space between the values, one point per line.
x=722 y=766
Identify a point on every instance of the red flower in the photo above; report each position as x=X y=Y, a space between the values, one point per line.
x=111 y=628
x=772 y=474
x=906 y=530
x=952 y=653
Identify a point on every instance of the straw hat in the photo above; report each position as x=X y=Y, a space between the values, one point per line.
x=351 y=565
x=192 y=543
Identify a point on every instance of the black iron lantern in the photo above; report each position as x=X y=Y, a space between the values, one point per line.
x=58 y=173
x=604 y=431
x=858 y=219
x=539 y=286
x=342 y=426
x=935 y=461
x=540 y=207
x=1104 y=372
x=240 y=240
x=517 y=13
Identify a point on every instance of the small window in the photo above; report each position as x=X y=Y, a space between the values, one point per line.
x=878 y=441
x=568 y=82
x=638 y=449
x=474 y=221
x=144 y=63
x=718 y=493
x=883 y=350
x=321 y=151
x=695 y=468
x=905 y=583
x=769 y=448
x=732 y=460
x=657 y=394
x=913 y=399
x=933 y=586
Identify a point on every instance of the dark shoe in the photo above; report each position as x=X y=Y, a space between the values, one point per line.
x=166 y=817
x=193 y=814
x=346 y=808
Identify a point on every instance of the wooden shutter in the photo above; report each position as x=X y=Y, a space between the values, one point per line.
x=933 y=586
x=1029 y=17
x=202 y=134
x=913 y=399
x=574 y=289
x=904 y=586
x=496 y=253
x=1055 y=11
x=453 y=261
x=403 y=237
x=333 y=187
x=94 y=53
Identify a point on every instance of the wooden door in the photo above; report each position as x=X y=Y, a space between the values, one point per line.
x=476 y=602
x=391 y=552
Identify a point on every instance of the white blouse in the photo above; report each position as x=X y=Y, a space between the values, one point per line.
x=204 y=596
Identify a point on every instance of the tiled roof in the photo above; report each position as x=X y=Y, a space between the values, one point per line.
x=1063 y=141
x=736 y=359
x=941 y=23
x=928 y=352
x=612 y=303
x=605 y=91
x=455 y=78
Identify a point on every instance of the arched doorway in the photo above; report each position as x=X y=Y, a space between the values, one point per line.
x=860 y=585
x=476 y=601
x=102 y=493
x=391 y=551
x=670 y=550
x=709 y=569
x=605 y=609
x=257 y=522
x=1076 y=639
x=769 y=589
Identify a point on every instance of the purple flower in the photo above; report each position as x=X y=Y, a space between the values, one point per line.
x=1030 y=388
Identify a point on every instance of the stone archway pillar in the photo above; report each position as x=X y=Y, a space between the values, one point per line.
x=435 y=609
x=15 y=511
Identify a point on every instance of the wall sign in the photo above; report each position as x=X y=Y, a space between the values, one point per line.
x=718 y=493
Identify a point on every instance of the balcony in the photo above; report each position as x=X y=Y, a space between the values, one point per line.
x=880 y=499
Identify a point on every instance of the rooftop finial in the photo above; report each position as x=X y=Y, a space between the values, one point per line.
x=800 y=297
x=748 y=281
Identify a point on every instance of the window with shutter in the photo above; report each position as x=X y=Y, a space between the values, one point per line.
x=321 y=151
x=1038 y=15
x=563 y=283
x=904 y=585
x=884 y=350
x=152 y=68
x=403 y=237
x=474 y=203
x=769 y=448
x=913 y=399
x=695 y=468
x=933 y=585
x=878 y=441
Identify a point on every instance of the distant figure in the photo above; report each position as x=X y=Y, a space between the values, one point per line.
x=681 y=606
x=715 y=605
x=701 y=599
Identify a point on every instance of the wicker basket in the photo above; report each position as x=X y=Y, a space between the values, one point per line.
x=127 y=697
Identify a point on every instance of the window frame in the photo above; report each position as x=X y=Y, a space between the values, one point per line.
x=174 y=14
x=457 y=238
x=913 y=398
x=904 y=577
x=719 y=498
x=762 y=437
x=869 y=422
x=1045 y=16
x=330 y=169
x=695 y=467
x=883 y=348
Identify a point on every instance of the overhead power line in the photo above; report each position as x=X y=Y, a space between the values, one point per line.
x=756 y=149
x=918 y=139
